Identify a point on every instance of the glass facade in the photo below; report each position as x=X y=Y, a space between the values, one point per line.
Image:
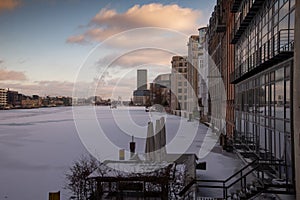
x=263 y=117
x=270 y=33
x=263 y=68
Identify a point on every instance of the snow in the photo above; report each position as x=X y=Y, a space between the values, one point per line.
x=38 y=146
x=129 y=169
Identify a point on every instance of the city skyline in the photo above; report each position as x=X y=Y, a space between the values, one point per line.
x=45 y=43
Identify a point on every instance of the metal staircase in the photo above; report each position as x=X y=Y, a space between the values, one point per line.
x=250 y=181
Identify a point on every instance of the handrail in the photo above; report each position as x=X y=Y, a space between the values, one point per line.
x=242 y=169
x=240 y=175
x=243 y=176
x=187 y=187
x=223 y=186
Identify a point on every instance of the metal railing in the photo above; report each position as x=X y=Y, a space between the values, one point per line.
x=281 y=43
x=240 y=176
x=248 y=10
x=257 y=167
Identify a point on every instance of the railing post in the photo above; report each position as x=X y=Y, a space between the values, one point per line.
x=279 y=41
x=241 y=179
x=224 y=192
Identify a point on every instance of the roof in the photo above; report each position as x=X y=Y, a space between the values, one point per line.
x=126 y=169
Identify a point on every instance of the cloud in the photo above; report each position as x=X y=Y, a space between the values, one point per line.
x=156 y=15
x=1 y=61
x=137 y=58
x=108 y=22
x=77 y=39
x=65 y=88
x=42 y=88
x=9 y=75
x=9 y=4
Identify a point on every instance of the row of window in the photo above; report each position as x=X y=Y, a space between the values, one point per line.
x=262 y=115
x=180 y=97
x=267 y=95
x=181 y=64
x=182 y=83
x=271 y=31
x=181 y=90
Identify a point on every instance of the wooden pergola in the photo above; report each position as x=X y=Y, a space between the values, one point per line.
x=114 y=184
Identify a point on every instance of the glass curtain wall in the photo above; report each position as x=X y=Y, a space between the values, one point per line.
x=263 y=117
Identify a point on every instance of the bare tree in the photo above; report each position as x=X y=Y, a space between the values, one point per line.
x=77 y=177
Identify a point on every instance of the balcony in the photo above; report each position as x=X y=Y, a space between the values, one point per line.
x=235 y=5
x=220 y=27
x=216 y=21
x=245 y=19
x=279 y=48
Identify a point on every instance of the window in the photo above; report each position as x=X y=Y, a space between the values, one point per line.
x=284 y=23
x=287 y=71
x=292 y=3
x=287 y=92
x=279 y=99
x=279 y=74
x=292 y=20
x=283 y=11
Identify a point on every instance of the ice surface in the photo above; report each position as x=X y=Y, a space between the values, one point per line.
x=37 y=146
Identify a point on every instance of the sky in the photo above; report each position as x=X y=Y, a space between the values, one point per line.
x=82 y=48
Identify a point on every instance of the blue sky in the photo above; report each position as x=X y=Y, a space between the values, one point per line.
x=43 y=43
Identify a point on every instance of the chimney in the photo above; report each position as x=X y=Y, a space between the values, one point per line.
x=132 y=147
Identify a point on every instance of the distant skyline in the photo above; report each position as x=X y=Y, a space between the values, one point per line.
x=44 y=43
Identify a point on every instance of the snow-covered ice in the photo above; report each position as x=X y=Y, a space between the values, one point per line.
x=37 y=146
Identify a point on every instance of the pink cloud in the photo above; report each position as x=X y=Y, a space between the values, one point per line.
x=109 y=22
x=139 y=57
x=77 y=39
x=12 y=75
x=9 y=4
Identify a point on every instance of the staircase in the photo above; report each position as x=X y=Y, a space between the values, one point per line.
x=247 y=183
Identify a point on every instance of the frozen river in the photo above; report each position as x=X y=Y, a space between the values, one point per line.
x=37 y=146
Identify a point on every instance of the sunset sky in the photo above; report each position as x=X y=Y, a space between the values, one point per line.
x=44 y=44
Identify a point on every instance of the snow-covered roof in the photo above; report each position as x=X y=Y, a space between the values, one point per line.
x=129 y=169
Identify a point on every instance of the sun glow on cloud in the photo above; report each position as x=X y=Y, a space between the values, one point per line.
x=9 y=4
x=9 y=75
x=108 y=21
